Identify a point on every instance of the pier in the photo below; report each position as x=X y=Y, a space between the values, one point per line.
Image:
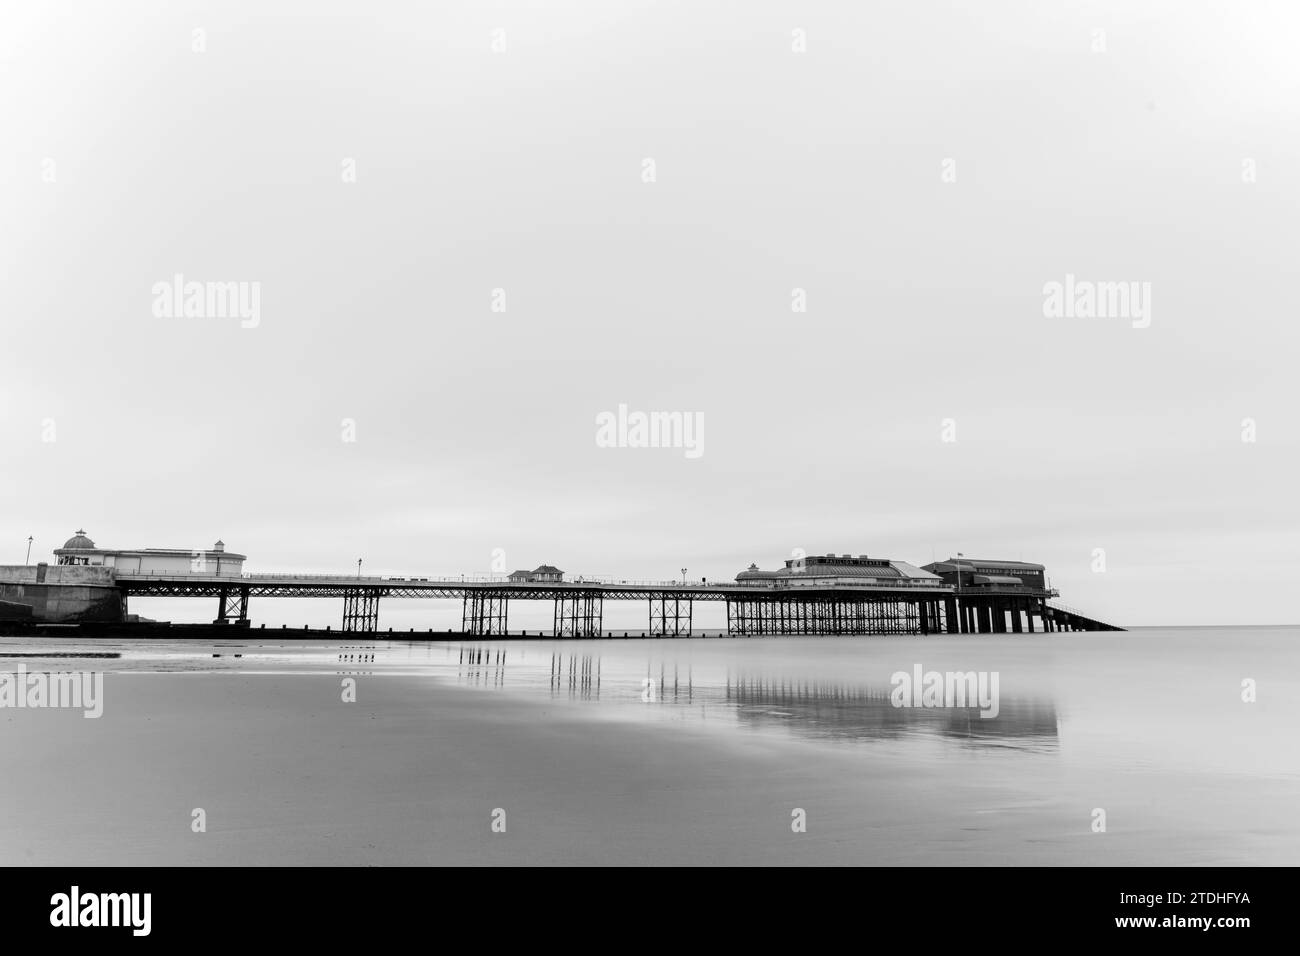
x=833 y=594
x=752 y=609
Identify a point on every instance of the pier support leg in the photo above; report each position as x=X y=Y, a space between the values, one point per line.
x=671 y=616
x=747 y=617
x=579 y=614
x=1015 y=615
x=950 y=615
x=232 y=604
x=805 y=615
x=485 y=612
x=360 y=611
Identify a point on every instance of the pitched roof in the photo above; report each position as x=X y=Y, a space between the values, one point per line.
x=912 y=571
x=1005 y=565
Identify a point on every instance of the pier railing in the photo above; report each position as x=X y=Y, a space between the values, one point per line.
x=599 y=580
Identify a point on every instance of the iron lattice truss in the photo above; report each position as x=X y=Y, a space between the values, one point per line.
x=232 y=604
x=360 y=611
x=579 y=615
x=670 y=617
x=189 y=586
x=818 y=614
x=485 y=612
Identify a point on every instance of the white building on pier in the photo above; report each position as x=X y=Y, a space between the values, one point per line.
x=80 y=550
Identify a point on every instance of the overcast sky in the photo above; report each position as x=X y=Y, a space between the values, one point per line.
x=921 y=171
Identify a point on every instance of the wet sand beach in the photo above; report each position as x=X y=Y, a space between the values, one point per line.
x=587 y=772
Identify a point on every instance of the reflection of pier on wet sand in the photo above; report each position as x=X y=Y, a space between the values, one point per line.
x=807 y=707
x=826 y=709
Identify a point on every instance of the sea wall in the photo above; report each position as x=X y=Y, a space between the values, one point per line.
x=63 y=594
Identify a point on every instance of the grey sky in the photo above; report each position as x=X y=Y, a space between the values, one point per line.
x=775 y=170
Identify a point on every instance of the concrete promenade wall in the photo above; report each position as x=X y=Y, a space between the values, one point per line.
x=61 y=594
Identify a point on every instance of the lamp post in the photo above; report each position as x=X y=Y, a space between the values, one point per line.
x=358 y=567
x=28 y=559
x=683 y=577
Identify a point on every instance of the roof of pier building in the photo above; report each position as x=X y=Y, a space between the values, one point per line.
x=978 y=572
x=953 y=563
x=912 y=571
x=994 y=579
x=840 y=566
x=545 y=572
x=78 y=542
